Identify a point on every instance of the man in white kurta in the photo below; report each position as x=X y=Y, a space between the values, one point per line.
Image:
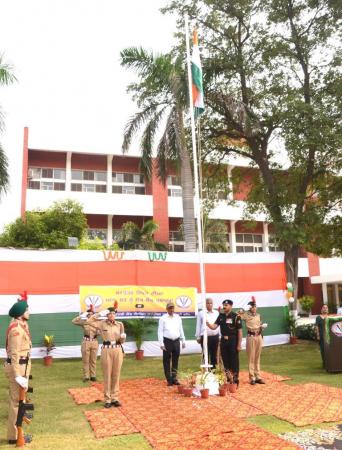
x=213 y=335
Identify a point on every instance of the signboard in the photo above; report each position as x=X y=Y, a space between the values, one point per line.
x=139 y=301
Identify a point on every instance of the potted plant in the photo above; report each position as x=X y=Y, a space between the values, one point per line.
x=306 y=302
x=204 y=391
x=187 y=383
x=49 y=344
x=232 y=386
x=291 y=322
x=138 y=328
x=220 y=375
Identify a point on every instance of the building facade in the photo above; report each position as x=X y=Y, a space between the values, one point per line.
x=113 y=190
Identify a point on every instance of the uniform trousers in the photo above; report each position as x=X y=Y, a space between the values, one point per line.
x=89 y=357
x=213 y=342
x=14 y=398
x=253 y=348
x=111 y=361
x=171 y=355
x=230 y=356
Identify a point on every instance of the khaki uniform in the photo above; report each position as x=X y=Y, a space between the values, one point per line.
x=253 y=343
x=111 y=355
x=89 y=348
x=18 y=346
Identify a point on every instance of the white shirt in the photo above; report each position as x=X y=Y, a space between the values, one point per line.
x=200 y=325
x=170 y=327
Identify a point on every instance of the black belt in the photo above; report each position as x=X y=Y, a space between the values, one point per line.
x=253 y=333
x=21 y=360
x=88 y=338
x=172 y=340
x=111 y=343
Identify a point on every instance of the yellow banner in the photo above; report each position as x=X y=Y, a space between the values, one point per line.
x=139 y=301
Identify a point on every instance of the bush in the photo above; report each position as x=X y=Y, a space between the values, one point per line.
x=91 y=244
x=307 y=332
x=306 y=302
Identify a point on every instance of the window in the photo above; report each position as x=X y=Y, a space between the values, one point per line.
x=273 y=244
x=88 y=175
x=46 y=185
x=128 y=190
x=59 y=186
x=117 y=177
x=174 y=192
x=138 y=179
x=88 y=187
x=76 y=175
x=101 y=188
x=47 y=173
x=100 y=176
x=117 y=189
x=173 y=180
x=34 y=184
x=248 y=242
x=35 y=173
x=76 y=187
x=99 y=233
x=128 y=183
x=59 y=174
x=139 y=190
x=128 y=177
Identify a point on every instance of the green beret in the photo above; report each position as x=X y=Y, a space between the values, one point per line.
x=18 y=309
x=111 y=309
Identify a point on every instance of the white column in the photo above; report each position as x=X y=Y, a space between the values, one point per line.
x=265 y=240
x=68 y=172
x=232 y=236
x=230 y=182
x=109 y=173
x=109 y=230
x=325 y=293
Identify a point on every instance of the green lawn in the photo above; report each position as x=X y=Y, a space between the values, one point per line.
x=59 y=423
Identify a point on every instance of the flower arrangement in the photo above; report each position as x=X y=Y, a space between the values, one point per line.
x=49 y=344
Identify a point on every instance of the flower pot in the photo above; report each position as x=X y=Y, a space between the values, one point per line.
x=47 y=360
x=139 y=355
x=293 y=340
x=180 y=389
x=205 y=393
x=187 y=391
x=232 y=388
x=222 y=391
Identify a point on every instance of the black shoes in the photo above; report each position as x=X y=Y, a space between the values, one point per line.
x=92 y=378
x=260 y=381
x=176 y=382
x=107 y=405
x=27 y=439
x=85 y=380
x=169 y=383
x=116 y=403
x=252 y=382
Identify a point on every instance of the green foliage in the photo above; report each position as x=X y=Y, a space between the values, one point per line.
x=306 y=302
x=215 y=235
x=138 y=328
x=291 y=322
x=92 y=244
x=48 y=343
x=134 y=238
x=307 y=332
x=46 y=229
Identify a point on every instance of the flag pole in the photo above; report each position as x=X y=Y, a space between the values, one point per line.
x=197 y=203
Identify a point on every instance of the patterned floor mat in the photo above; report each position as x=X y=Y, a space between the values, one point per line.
x=85 y=396
x=109 y=422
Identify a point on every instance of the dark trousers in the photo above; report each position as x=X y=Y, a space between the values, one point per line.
x=171 y=355
x=213 y=342
x=321 y=347
x=230 y=356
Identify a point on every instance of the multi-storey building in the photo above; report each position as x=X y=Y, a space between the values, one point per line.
x=113 y=190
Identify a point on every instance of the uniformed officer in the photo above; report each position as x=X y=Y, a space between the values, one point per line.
x=253 y=341
x=231 y=338
x=113 y=336
x=89 y=346
x=18 y=347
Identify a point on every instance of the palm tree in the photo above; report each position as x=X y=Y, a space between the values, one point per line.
x=161 y=96
x=215 y=235
x=133 y=237
x=6 y=77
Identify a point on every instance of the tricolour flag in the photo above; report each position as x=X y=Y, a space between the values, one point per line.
x=197 y=79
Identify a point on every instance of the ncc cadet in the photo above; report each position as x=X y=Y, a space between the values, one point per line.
x=231 y=338
x=89 y=346
x=253 y=341
x=113 y=336
x=18 y=347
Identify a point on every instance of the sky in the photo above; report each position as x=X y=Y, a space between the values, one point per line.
x=71 y=90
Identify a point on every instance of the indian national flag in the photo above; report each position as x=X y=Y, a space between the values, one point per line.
x=196 y=73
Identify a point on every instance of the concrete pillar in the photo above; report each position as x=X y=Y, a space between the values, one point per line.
x=232 y=236
x=265 y=238
x=230 y=182
x=109 y=173
x=24 y=174
x=109 y=230
x=68 y=172
x=325 y=293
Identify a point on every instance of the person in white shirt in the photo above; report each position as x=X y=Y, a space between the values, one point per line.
x=170 y=333
x=213 y=335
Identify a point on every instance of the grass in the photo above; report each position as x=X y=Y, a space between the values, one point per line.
x=60 y=424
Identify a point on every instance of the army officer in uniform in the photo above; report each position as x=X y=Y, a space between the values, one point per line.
x=89 y=346
x=253 y=341
x=113 y=335
x=18 y=347
x=231 y=338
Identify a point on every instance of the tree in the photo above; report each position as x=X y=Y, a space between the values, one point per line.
x=6 y=77
x=161 y=95
x=46 y=229
x=133 y=237
x=214 y=235
x=272 y=83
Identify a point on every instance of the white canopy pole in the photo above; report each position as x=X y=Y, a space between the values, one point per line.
x=197 y=203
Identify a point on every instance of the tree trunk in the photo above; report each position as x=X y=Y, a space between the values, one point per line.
x=189 y=226
x=291 y=266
